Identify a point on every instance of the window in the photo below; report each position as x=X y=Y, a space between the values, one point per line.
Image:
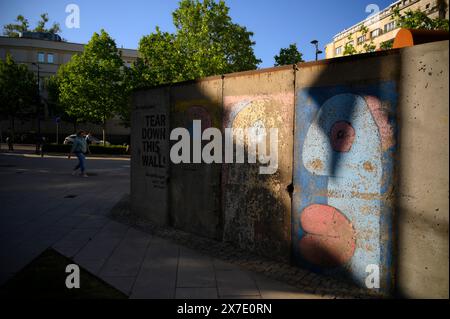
x=389 y=27
x=41 y=57
x=361 y=39
x=49 y=57
x=338 y=50
x=375 y=33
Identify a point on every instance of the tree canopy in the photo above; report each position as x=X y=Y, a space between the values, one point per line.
x=206 y=42
x=289 y=55
x=18 y=90
x=22 y=25
x=419 y=20
x=91 y=86
x=94 y=86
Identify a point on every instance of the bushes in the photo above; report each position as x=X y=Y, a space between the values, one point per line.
x=95 y=149
x=108 y=150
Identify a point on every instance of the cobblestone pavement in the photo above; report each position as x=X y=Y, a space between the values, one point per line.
x=316 y=285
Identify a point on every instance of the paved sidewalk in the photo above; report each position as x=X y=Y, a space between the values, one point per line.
x=144 y=266
x=43 y=206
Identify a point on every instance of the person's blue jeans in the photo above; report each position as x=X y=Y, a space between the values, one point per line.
x=81 y=160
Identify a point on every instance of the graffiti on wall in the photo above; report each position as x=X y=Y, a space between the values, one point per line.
x=153 y=133
x=152 y=147
x=252 y=203
x=344 y=152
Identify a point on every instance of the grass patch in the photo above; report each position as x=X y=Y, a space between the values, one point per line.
x=45 y=277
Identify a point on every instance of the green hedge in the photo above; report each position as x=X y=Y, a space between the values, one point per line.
x=95 y=149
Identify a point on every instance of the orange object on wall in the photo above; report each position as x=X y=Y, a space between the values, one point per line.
x=411 y=37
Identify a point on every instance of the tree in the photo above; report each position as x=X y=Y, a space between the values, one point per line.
x=18 y=90
x=386 y=45
x=206 y=42
x=91 y=86
x=55 y=28
x=349 y=48
x=54 y=106
x=367 y=47
x=419 y=20
x=22 y=25
x=289 y=55
x=161 y=59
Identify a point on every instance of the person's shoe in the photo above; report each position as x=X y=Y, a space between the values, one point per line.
x=74 y=173
x=84 y=175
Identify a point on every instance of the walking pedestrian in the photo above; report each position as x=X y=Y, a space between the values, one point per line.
x=10 y=142
x=43 y=143
x=79 y=148
x=38 y=141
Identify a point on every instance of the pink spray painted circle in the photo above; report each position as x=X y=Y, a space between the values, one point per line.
x=330 y=239
x=342 y=136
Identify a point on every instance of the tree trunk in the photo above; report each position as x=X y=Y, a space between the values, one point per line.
x=104 y=132
x=13 y=131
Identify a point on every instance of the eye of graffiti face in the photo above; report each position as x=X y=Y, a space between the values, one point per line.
x=342 y=136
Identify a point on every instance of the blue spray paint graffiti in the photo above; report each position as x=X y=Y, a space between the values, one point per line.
x=344 y=153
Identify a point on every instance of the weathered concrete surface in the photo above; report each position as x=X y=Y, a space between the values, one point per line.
x=423 y=261
x=344 y=166
x=195 y=187
x=150 y=154
x=371 y=185
x=257 y=207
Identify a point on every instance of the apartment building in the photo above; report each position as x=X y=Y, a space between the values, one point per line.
x=44 y=55
x=47 y=55
x=381 y=28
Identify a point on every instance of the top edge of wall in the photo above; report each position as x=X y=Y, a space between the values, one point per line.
x=217 y=77
x=265 y=70
x=205 y=79
x=350 y=58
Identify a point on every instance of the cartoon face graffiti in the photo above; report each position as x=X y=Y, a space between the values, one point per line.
x=340 y=181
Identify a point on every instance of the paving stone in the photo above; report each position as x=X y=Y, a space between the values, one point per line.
x=95 y=253
x=235 y=283
x=195 y=270
x=74 y=241
x=123 y=284
x=127 y=257
x=157 y=276
x=222 y=265
x=196 y=293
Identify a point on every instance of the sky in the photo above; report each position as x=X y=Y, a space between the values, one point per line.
x=275 y=23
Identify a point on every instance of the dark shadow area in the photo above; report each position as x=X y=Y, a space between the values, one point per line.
x=45 y=277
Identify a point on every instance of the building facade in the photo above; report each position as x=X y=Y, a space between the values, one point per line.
x=380 y=28
x=44 y=57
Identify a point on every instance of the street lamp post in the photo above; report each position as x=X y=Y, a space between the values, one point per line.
x=316 y=44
